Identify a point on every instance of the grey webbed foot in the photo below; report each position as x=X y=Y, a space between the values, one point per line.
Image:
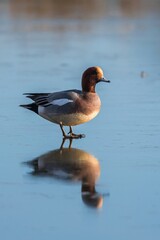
x=73 y=135
x=70 y=135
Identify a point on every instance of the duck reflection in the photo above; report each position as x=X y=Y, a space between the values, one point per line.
x=74 y=165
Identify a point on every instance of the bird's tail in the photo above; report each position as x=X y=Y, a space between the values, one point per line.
x=33 y=107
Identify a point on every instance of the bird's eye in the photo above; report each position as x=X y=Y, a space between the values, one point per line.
x=94 y=73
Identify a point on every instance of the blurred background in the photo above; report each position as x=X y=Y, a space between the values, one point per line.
x=45 y=46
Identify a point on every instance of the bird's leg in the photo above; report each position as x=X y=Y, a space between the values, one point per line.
x=63 y=132
x=70 y=130
x=70 y=142
x=63 y=141
x=73 y=135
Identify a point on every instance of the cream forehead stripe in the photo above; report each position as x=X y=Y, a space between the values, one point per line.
x=61 y=102
x=99 y=70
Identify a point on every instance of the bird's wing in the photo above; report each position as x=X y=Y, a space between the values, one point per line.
x=57 y=99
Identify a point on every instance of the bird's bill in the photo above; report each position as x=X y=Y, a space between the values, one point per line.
x=104 y=80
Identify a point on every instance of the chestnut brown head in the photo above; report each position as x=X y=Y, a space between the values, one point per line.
x=91 y=77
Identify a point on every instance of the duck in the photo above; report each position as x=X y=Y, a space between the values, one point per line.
x=71 y=165
x=70 y=107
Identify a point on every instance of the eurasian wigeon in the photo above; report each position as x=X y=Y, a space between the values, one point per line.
x=70 y=107
x=71 y=164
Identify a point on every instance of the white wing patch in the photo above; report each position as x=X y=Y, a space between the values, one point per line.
x=61 y=102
